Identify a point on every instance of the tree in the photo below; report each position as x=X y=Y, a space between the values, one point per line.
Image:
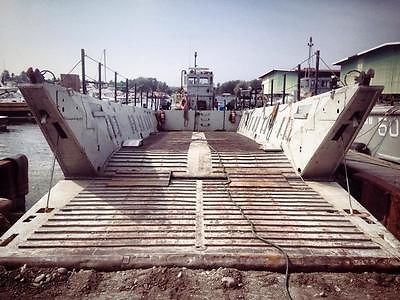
x=241 y=85
x=233 y=86
x=228 y=87
x=255 y=84
x=22 y=78
x=149 y=84
x=5 y=76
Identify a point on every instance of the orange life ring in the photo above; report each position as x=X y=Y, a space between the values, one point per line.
x=232 y=117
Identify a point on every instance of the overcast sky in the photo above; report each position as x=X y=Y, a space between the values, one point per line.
x=236 y=39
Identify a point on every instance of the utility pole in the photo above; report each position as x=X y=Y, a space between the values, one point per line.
x=298 y=82
x=284 y=88
x=126 y=91
x=272 y=91
x=83 y=71
x=104 y=53
x=115 y=86
x=316 y=73
x=135 y=91
x=99 y=80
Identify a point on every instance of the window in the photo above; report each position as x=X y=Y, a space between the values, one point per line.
x=304 y=83
x=204 y=80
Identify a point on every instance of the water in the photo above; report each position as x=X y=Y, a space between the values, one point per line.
x=28 y=139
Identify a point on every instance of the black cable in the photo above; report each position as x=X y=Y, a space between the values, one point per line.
x=349 y=72
x=73 y=68
x=294 y=68
x=108 y=68
x=253 y=227
x=43 y=72
x=326 y=65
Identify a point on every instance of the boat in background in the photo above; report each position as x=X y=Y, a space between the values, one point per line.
x=13 y=105
x=379 y=137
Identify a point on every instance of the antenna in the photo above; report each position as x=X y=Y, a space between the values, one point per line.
x=195 y=59
x=310 y=45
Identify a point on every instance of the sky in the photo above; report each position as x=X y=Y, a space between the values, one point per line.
x=157 y=38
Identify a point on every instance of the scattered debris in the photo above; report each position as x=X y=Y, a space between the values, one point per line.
x=39 y=278
x=62 y=271
x=229 y=282
x=23 y=269
x=162 y=283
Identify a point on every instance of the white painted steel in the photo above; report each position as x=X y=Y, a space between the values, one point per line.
x=205 y=120
x=309 y=131
x=89 y=130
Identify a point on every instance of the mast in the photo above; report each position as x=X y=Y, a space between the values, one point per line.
x=310 y=45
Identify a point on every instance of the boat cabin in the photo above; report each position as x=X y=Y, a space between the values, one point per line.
x=199 y=88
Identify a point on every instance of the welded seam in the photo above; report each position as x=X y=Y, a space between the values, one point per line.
x=199 y=216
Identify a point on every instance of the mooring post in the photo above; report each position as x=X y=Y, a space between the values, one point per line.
x=272 y=91
x=83 y=71
x=316 y=73
x=99 y=80
x=115 y=86
x=298 y=81
x=284 y=88
x=126 y=91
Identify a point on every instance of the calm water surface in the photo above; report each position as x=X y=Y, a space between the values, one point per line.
x=28 y=139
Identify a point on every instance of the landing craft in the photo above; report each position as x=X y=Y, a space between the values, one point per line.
x=136 y=196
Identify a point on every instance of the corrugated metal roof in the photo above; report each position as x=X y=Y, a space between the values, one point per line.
x=339 y=62
x=321 y=71
x=277 y=70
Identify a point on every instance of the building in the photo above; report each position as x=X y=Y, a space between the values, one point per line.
x=384 y=59
x=273 y=80
x=199 y=88
x=273 y=83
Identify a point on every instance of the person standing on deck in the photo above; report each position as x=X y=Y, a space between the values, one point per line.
x=185 y=108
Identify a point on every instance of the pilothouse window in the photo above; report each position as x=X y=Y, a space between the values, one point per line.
x=204 y=81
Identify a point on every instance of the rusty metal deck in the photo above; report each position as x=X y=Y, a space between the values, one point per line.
x=170 y=219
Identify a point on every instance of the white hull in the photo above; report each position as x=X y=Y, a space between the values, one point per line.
x=83 y=131
x=316 y=132
x=380 y=133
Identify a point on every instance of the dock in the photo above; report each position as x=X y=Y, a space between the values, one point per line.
x=3 y=123
x=174 y=202
x=16 y=111
x=376 y=184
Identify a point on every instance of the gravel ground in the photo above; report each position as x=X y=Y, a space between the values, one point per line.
x=182 y=283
